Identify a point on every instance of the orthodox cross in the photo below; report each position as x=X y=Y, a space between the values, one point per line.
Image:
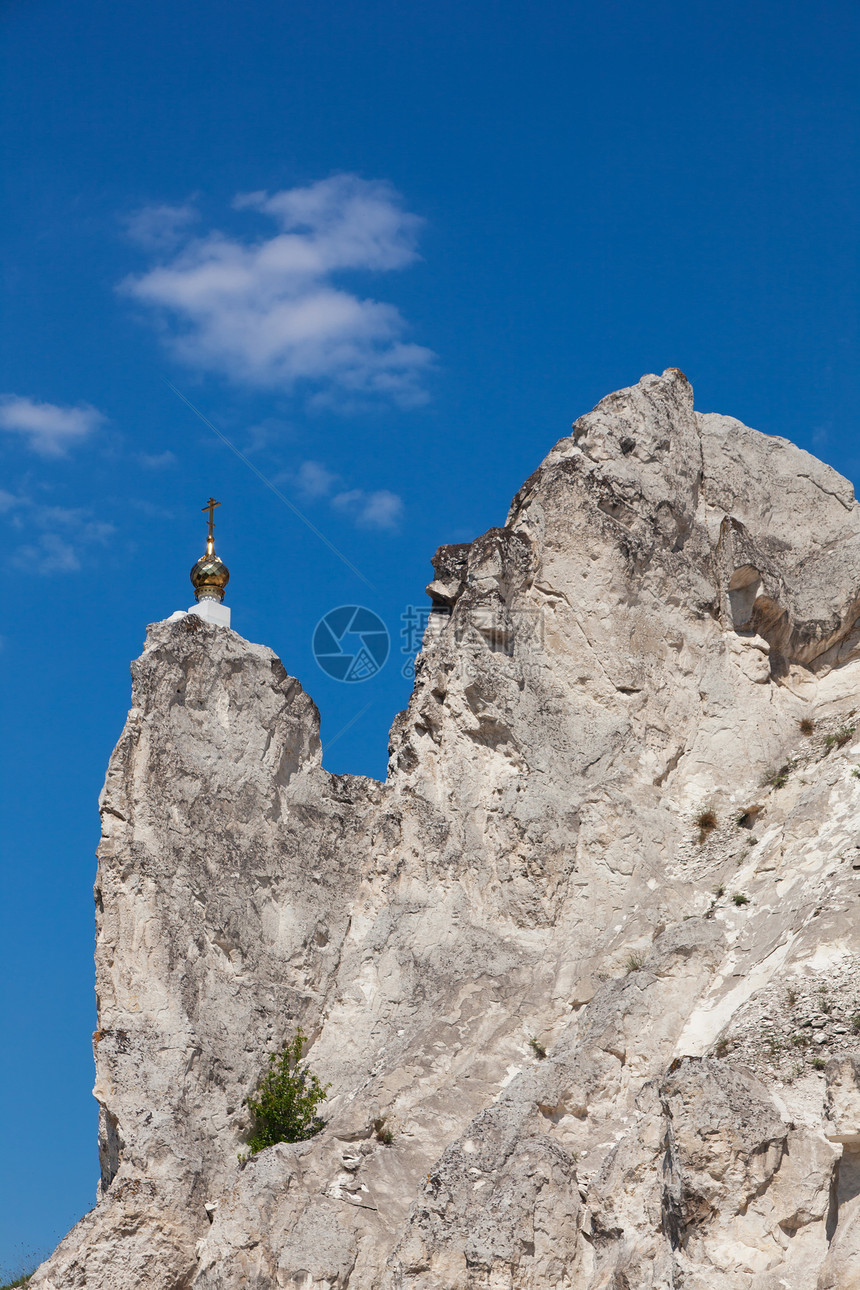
x=210 y=507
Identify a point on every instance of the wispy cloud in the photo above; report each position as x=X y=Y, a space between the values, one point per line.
x=49 y=429
x=316 y=480
x=269 y=312
x=8 y=502
x=160 y=227
x=54 y=537
x=157 y=460
x=48 y=554
x=371 y=509
x=377 y=510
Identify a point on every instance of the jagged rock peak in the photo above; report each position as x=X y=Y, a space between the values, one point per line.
x=590 y=952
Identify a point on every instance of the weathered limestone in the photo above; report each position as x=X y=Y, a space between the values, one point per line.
x=672 y=593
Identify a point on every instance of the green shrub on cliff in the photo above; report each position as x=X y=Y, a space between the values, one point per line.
x=284 y=1108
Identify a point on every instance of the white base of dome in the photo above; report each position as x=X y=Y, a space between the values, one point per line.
x=209 y=610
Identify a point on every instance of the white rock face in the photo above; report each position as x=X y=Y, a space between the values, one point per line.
x=604 y=829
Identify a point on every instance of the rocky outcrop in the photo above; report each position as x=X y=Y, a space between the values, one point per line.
x=590 y=952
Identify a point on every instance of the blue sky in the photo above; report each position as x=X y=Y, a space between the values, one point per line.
x=390 y=251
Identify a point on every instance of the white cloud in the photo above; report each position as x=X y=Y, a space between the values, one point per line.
x=50 y=429
x=316 y=480
x=266 y=432
x=49 y=554
x=157 y=460
x=55 y=535
x=269 y=313
x=160 y=227
x=74 y=520
x=8 y=502
x=377 y=510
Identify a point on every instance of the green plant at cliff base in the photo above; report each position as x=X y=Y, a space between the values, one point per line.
x=383 y=1133
x=284 y=1109
x=840 y=738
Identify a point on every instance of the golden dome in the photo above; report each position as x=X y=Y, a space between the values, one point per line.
x=210 y=576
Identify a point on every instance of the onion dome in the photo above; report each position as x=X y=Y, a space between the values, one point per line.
x=210 y=576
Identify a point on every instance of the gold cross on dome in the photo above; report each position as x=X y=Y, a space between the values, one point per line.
x=210 y=507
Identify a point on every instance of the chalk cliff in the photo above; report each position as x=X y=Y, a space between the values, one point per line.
x=621 y=820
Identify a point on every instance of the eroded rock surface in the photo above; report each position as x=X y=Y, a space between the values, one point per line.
x=620 y=827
